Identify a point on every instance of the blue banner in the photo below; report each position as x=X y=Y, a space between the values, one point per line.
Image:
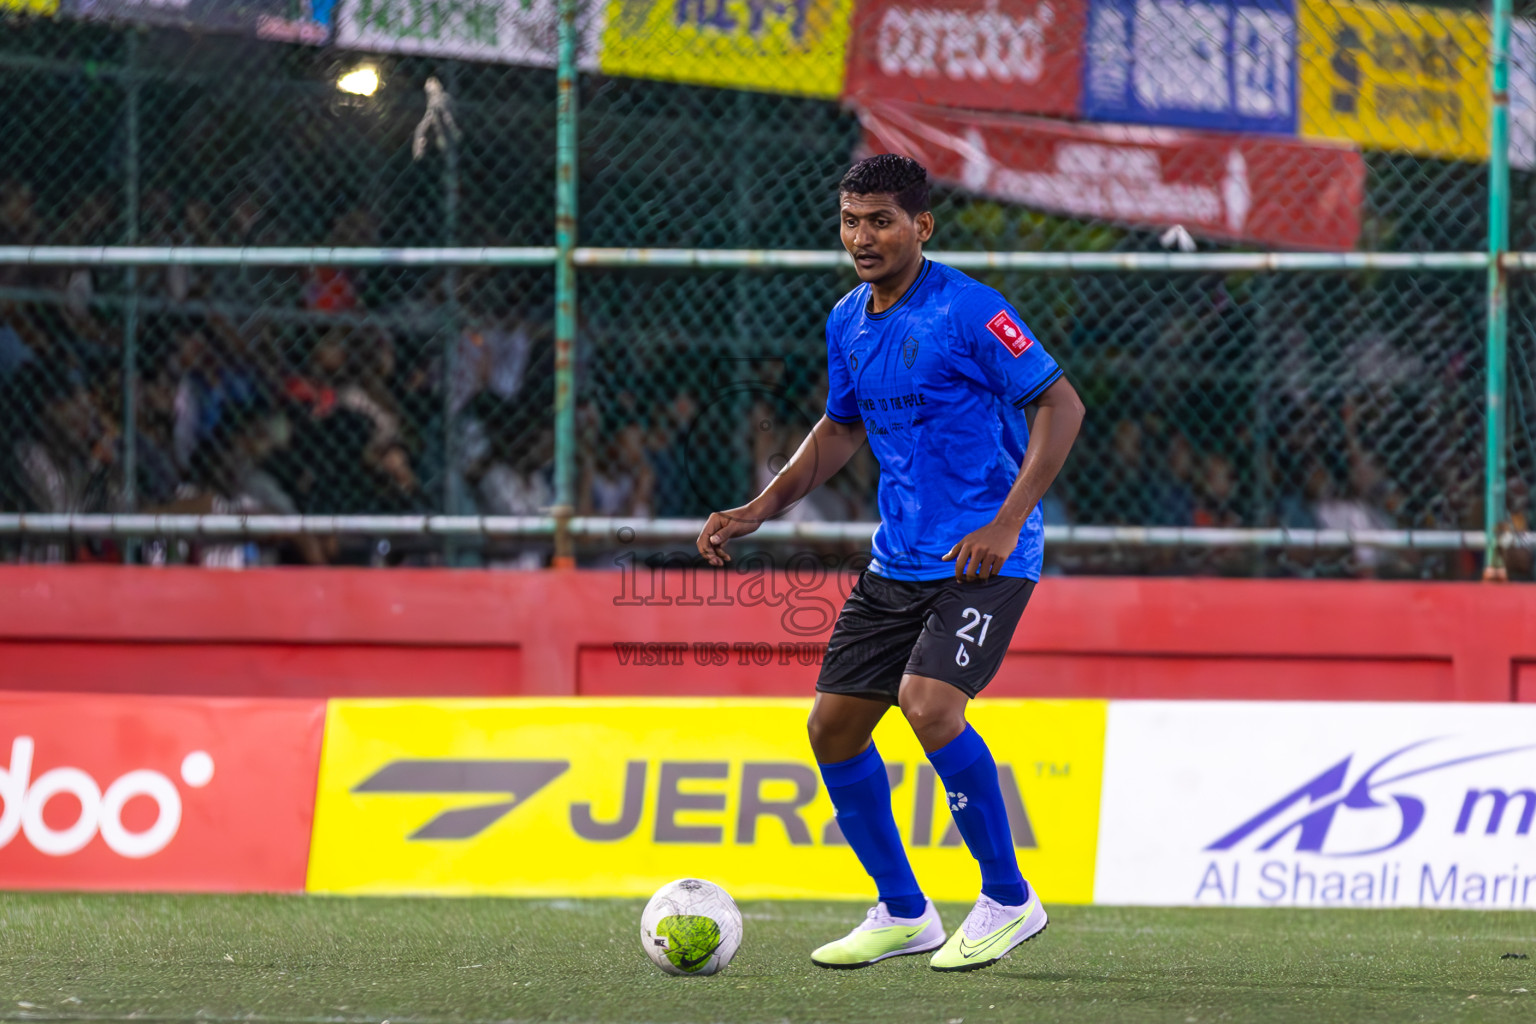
x=1217 y=65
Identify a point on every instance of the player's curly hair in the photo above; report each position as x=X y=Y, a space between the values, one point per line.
x=899 y=176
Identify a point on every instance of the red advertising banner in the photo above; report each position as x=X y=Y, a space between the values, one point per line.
x=1253 y=188
x=165 y=793
x=1018 y=55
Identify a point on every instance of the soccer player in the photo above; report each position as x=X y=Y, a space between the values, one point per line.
x=970 y=420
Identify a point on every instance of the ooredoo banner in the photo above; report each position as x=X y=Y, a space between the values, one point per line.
x=170 y=793
x=1024 y=57
x=606 y=797
x=1223 y=66
x=1243 y=187
x=1294 y=804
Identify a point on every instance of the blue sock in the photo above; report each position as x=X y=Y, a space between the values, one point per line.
x=966 y=766
x=862 y=795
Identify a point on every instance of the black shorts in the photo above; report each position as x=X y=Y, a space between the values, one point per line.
x=942 y=629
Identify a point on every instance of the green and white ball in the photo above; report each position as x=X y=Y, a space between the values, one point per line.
x=690 y=927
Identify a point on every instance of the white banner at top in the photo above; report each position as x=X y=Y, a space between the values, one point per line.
x=500 y=31
x=1302 y=804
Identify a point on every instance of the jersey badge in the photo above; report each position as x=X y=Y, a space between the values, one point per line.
x=909 y=352
x=1009 y=333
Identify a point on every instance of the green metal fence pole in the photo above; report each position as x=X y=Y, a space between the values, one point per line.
x=453 y=491
x=130 y=365
x=565 y=288
x=1498 y=300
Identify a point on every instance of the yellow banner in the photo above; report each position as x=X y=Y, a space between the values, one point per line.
x=791 y=46
x=592 y=797
x=49 y=7
x=1395 y=76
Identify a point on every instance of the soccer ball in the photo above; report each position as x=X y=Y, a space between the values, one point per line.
x=690 y=927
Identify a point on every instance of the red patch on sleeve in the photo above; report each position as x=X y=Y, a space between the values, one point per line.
x=1009 y=333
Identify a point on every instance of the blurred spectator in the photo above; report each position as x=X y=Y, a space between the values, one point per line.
x=1517 y=499
x=21 y=335
x=1216 y=505
x=1173 y=490
x=1125 y=491
x=340 y=379
x=622 y=481
x=518 y=480
x=64 y=457
x=773 y=442
x=229 y=477
x=1333 y=512
x=667 y=449
x=207 y=384
x=399 y=491
x=341 y=289
x=491 y=360
x=157 y=476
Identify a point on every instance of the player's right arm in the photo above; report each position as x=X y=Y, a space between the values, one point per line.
x=825 y=450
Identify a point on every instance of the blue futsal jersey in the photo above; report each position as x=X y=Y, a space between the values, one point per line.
x=940 y=380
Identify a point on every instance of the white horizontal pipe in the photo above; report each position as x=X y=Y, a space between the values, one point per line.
x=780 y=259
x=274 y=256
x=625 y=531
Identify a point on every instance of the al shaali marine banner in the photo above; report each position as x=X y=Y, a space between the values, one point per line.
x=602 y=797
x=789 y=46
x=501 y=31
x=1298 y=804
x=1401 y=77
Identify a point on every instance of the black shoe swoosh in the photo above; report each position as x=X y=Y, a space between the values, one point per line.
x=967 y=950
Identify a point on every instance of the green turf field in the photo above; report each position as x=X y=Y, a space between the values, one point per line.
x=252 y=958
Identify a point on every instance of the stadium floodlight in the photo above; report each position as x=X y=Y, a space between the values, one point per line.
x=363 y=81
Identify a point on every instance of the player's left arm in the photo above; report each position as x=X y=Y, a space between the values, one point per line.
x=1058 y=413
x=994 y=348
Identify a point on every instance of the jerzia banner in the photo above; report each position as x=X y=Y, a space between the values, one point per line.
x=604 y=797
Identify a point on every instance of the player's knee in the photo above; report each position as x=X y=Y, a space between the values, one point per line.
x=820 y=732
x=934 y=724
x=833 y=740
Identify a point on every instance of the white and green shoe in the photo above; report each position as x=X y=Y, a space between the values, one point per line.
x=989 y=932
x=881 y=936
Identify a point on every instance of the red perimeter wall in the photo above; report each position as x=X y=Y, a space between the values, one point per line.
x=462 y=633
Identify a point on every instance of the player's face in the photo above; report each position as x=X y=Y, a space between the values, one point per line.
x=884 y=240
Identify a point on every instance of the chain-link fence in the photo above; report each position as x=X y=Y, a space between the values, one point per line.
x=1348 y=398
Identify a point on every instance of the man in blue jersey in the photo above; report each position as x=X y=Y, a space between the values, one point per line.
x=970 y=420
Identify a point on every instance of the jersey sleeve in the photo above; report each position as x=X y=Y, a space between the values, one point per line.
x=994 y=348
x=842 y=402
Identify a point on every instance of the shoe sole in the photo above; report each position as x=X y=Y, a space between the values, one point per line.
x=989 y=963
x=882 y=956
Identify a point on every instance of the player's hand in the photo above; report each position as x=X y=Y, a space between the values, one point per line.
x=721 y=527
x=981 y=553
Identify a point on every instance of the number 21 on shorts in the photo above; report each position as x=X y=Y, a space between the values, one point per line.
x=973 y=618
